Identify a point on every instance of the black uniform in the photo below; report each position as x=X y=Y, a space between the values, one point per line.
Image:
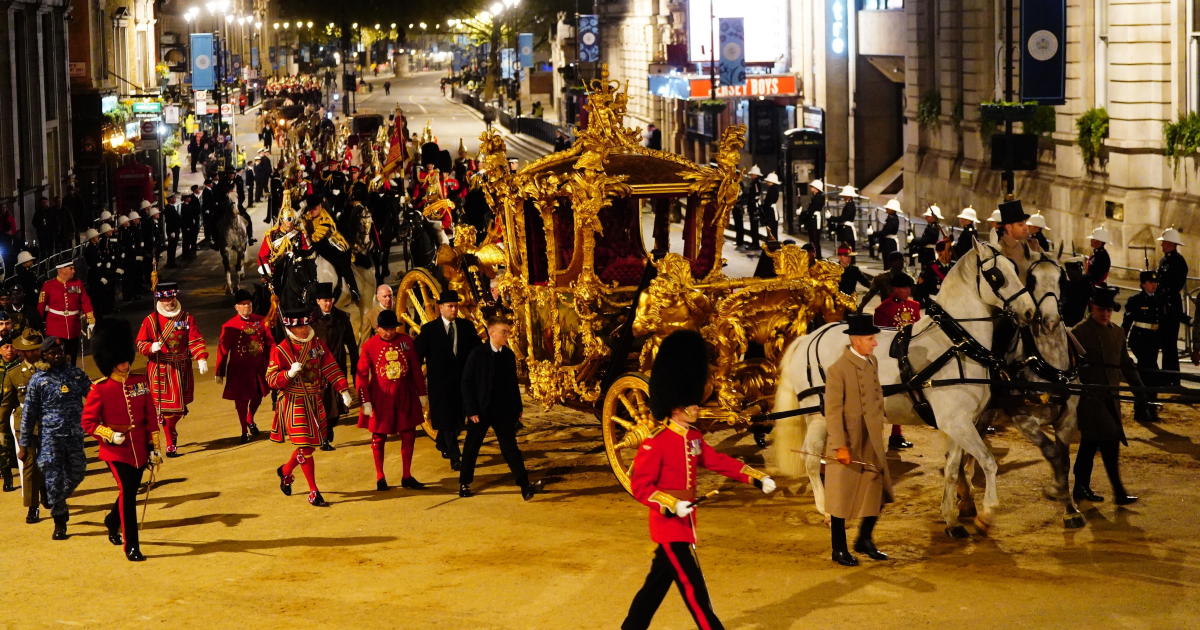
x=1172 y=281
x=1098 y=266
x=887 y=244
x=846 y=223
x=852 y=276
x=929 y=237
x=490 y=391
x=445 y=355
x=749 y=199
x=1144 y=315
x=766 y=211
x=966 y=240
x=335 y=330
x=810 y=221
x=190 y=213
x=173 y=222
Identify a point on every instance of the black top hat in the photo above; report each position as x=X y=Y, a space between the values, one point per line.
x=679 y=374
x=1012 y=212
x=860 y=324
x=112 y=344
x=242 y=295
x=1148 y=276
x=448 y=296
x=1105 y=297
x=387 y=319
x=324 y=291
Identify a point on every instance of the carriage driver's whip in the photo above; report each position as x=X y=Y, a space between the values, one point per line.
x=867 y=465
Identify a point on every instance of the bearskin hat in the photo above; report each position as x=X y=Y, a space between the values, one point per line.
x=112 y=344
x=679 y=374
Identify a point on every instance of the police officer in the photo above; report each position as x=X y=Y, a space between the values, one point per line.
x=51 y=420
x=1172 y=279
x=1144 y=314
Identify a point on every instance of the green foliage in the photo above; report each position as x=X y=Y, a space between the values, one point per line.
x=1043 y=122
x=1093 y=129
x=1182 y=137
x=120 y=114
x=929 y=108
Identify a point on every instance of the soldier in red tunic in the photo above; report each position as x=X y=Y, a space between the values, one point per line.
x=664 y=478
x=242 y=353
x=300 y=366
x=392 y=390
x=897 y=311
x=120 y=414
x=170 y=339
x=66 y=309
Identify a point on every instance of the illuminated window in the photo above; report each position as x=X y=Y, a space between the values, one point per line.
x=881 y=5
x=1193 y=55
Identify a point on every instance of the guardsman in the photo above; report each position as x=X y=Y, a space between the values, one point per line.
x=932 y=232
x=996 y=228
x=1106 y=363
x=444 y=345
x=170 y=339
x=810 y=217
x=1037 y=233
x=243 y=350
x=849 y=215
x=392 y=390
x=859 y=484
x=329 y=243
x=9 y=360
x=12 y=401
x=300 y=366
x=664 y=479
x=120 y=414
x=334 y=328
x=967 y=220
x=887 y=238
x=173 y=226
x=1098 y=264
x=51 y=421
x=897 y=311
x=1172 y=282
x=1144 y=315
x=66 y=308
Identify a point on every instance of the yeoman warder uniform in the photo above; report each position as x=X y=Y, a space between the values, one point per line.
x=391 y=386
x=170 y=339
x=242 y=353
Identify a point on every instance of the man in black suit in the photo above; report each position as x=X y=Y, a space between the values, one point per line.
x=444 y=345
x=190 y=214
x=332 y=325
x=492 y=399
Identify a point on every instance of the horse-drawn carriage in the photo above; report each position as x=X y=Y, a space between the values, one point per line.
x=593 y=299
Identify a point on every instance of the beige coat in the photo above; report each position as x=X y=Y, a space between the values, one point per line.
x=854 y=418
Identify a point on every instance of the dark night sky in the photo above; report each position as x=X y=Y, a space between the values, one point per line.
x=404 y=11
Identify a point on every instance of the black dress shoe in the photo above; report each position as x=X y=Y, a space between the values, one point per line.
x=530 y=489
x=33 y=515
x=245 y=439
x=8 y=481
x=1084 y=493
x=411 y=483
x=867 y=548
x=464 y=491
x=327 y=446
x=897 y=442
x=1125 y=499
x=60 y=528
x=253 y=429
x=760 y=440
x=455 y=463
x=174 y=454
x=381 y=484
x=114 y=529
x=316 y=500
x=845 y=559
x=285 y=482
x=134 y=555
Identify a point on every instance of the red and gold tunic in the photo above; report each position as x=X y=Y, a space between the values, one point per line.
x=390 y=378
x=299 y=412
x=112 y=406
x=664 y=470
x=170 y=369
x=242 y=354
x=896 y=313
x=64 y=307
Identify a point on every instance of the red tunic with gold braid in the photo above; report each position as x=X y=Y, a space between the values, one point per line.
x=242 y=353
x=64 y=307
x=664 y=470
x=299 y=412
x=390 y=378
x=122 y=407
x=170 y=369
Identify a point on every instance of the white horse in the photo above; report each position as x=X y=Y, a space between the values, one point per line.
x=981 y=287
x=235 y=240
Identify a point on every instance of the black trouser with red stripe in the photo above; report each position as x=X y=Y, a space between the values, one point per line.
x=124 y=509
x=673 y=562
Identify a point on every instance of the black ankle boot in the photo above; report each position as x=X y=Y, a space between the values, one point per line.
x=114 y=528
x=8 y=479
x=33 y=515
x=60 y=527
x=133 y=554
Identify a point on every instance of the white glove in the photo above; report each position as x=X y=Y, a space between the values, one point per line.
x=219 y=379
x=155 y=347
x=155 y=458
x=683 y=508
x=117 y=438
x=90 y=329
x=203 y=365
x=294 y=370
x=347 y=398
x=368 y=410
x=103 y=280
x=424 y=401
x=768 y=485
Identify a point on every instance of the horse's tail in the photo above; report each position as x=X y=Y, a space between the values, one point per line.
x=789 y=432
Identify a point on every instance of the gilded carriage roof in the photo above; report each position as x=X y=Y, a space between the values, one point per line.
x=643 y=170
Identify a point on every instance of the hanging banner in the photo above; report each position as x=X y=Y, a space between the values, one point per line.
x=731 y=66
x=589 y=38
x=508 y=58
x=204 y=74
x=254 y=57
x=1044 y=51
x=525 y=49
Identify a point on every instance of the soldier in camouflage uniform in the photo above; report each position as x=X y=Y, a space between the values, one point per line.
x=54 y=408
x=12 y=397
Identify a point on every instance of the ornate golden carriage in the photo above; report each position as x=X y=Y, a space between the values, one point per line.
x=593 y=299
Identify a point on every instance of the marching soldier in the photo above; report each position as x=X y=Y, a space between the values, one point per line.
x=444 y=345
x=66 y=308
x=1172 y=278
x=243 y=350
x=119 y=413
x=299 y=367
x=9 y=360
x=170 y=339
x=966 y=239
x=664 y=479
x=190 y=217
x=12 y=401
x=1099 y=263
x=1144 y=315
x=51 y=421
x=859 y=485
x=392 y=391
x=334 y=328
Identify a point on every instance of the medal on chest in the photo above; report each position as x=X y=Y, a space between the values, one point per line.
x=252 y=341
x=393 y=368
x=694 y=447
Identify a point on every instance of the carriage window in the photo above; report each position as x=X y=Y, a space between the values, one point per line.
x=564 y=234
x=535 y=244
x=620 y=256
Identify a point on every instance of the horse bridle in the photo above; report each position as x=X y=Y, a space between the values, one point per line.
x=1031 y=281
x=995 y=281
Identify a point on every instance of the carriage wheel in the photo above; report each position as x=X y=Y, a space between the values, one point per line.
x=626 y=422
x=416 y=299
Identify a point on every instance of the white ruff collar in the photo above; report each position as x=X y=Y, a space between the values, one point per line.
x=168 y=314
x=311 y=333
